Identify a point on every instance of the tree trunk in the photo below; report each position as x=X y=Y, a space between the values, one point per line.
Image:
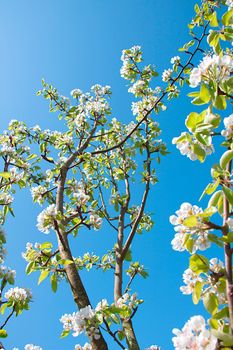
x=79 y=293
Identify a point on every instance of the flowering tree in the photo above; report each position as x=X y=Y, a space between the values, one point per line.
x=84 y=177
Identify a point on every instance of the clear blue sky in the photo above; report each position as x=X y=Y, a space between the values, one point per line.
x=76 y=43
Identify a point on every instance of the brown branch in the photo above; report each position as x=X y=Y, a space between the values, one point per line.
x=159 y=99
x=7 y=319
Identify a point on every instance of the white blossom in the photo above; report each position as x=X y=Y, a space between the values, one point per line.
x=77 y=322
x=138 y=88
x=229 y=3
x=128 y=57
x=38 y=193
x=7 y=273
x=194 y=336
x=185 y=143
x=198 y=233
x=45 y=219
x=81 y=197
x=96 y=221
x=228 y=123
x=76 y=93
x=86 y=346
x=216 y=265
x=211 y=67
x=6 y=198
x=175 y=60
x=17 y=294
x=167 y=74
x=190 y=279
x=32 y=347
x=103 y=304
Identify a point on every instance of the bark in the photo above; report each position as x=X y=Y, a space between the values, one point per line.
x=118 y=278
x=79 y=293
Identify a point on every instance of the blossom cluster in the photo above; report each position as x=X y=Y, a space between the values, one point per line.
x=81 y=198
x=209 y=284
x=82 y=321
x=187 y=145
x=89 y=105
x=214 y=67
x=30 y=347
x=198 y=232
x=86 y=346
x=96 y=221
x=129 y=57
x=46 y=218
x=38 y=194
x=194 y=335
x=7 y=273
x=5 y=199
x=18 y=295
x=128 y=300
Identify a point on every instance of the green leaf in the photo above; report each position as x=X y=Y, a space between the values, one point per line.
x=43 y=276
x=227 y=18
x=53 y=281
x=3 y=333
x=228 y=193
x=128 y=255
x=30 y=267
x=220 y=102
x=5 y=175
x=208 y=212
x=46 y=245
x=197 y=292
x=210 y=302
x=213 y=20
x=65 y=262
x=226 y=158
x=204 y=93
x=213 y=39
x=121 y=335
x=189 y=244
x=64 y=334
x=213 y=323
x=226 y=338
x=3 y=308
x=192 y=120
x=197 y=101
x=198 y=263
x=230 y=237
x=213 y=202
x=222 y=313
x=210 y=188
x=32 y=156
x=191 y=221
x=200 y=153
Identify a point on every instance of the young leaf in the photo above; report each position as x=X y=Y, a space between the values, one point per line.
x=198 y=263
x=53 y=281
x=228 y=193
x=210 y=301
x=43 y=275
x=226 y=158
x=197 y=292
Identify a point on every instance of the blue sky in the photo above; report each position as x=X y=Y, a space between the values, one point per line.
x=77 y=43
